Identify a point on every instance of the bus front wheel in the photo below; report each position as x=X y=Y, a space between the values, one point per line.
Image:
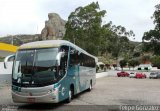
x=70 y=95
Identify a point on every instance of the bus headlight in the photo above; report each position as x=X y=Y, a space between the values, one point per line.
x=55 y=88
x=50 y=91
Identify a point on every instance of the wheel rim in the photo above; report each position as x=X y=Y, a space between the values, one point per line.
x=70 y=95
x=90 y=87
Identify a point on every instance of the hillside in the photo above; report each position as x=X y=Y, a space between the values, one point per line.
x=20 y=39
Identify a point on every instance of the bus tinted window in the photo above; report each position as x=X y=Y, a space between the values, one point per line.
x=86 y=60
x=74 y=58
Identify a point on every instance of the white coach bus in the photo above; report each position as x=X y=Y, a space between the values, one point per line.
x=51 y=71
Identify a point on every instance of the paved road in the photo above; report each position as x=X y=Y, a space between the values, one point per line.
x=108 y=91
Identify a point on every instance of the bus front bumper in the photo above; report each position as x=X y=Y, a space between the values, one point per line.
x=47 y=98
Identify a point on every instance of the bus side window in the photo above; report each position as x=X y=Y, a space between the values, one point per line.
x=81 y=59
x=74 y=57
x=86 y=61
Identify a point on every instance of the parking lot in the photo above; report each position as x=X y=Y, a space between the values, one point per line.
x=109 y=91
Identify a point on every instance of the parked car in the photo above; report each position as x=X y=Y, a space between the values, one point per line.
x=144 y=67
x=140 y=75
x=132 y=74
x=154 y=75
x=100 y=67
x=122 y=74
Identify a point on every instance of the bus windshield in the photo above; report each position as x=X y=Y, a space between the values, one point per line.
x=37 y=67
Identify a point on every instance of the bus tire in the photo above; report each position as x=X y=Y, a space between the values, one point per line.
x=70 y=95
x=90 y=86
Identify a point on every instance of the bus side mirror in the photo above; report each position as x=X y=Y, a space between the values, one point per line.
x=8 y=58
x=58 y=58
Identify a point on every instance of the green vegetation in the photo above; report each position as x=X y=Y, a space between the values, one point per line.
x=84 y=28
x=1 y=59
x=123 y=63
x=151 y=39
x=156 y=61
x=110 y=42
x=133 y=63
x=145 y=59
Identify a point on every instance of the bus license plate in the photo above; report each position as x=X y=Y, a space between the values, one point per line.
x=32 y=100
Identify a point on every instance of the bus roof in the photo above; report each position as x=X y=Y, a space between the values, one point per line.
x=52 y=43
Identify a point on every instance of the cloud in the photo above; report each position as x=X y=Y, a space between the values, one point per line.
x=17 y=16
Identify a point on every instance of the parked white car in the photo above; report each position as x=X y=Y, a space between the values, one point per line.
x=101 y=66
x=144 y=67
x=132 y=74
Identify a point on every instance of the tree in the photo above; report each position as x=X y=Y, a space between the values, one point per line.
x=133 y=63
x=123 y=63
x=120 y=44
x=156 y=61
x=145 y=59
x=151 y=39
x=136 y=54
x=84 y=27
x=107 y=38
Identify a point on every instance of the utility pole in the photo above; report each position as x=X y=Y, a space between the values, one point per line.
x=12 y=40
x=74 y=40
x=98 y=50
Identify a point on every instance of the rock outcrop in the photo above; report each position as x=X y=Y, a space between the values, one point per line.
x=54 y=27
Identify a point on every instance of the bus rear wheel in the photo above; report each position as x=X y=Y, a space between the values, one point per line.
x=90 y=86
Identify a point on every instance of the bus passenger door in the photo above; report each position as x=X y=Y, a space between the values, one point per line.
x=73 y=70
x=62 y=71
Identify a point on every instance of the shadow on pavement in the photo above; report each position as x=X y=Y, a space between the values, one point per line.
x=40 y=106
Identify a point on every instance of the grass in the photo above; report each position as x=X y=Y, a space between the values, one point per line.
x=1 y=59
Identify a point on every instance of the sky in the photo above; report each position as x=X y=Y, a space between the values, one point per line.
x=29 y=16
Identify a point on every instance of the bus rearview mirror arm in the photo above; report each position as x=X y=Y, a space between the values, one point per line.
x=58 y=58
x=6 y=60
